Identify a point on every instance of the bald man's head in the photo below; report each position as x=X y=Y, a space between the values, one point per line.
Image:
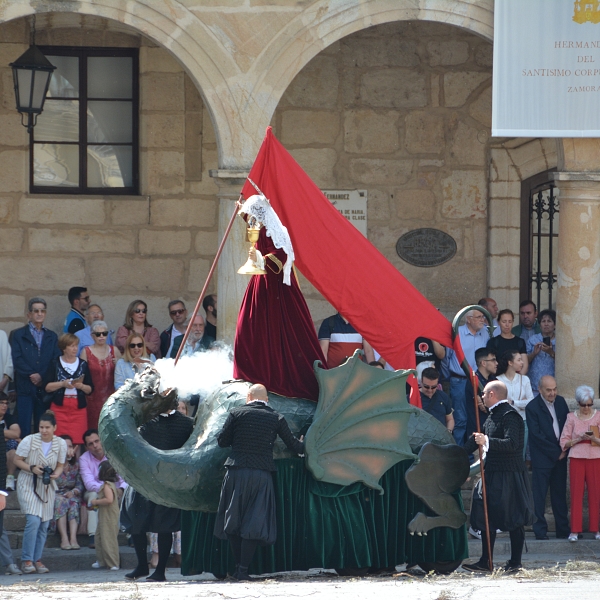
x=257 y=392
x=547 y=388
x=493 y=392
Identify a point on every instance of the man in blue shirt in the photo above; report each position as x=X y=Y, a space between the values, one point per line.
x=33 y=349
x=473 y=335
x=435 y=401
x=79 y=299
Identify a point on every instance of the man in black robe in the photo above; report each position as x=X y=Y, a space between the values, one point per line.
x=247 y=514
x=167 y=431
x=509 y=498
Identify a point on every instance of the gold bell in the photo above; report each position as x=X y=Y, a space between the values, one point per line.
x=249 y=268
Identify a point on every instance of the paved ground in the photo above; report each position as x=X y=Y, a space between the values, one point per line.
x=547 y=577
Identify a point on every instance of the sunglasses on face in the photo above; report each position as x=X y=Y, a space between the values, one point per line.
x=100 y=333
x=41 y=311
x=586 y=405
x=85 y=298
x=179 y=311
x=140 y=310
x=429 y=387
x=140 y=345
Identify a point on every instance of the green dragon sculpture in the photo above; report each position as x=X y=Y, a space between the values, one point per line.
x=361 y=427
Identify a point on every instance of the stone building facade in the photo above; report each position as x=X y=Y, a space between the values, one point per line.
x=391 y=96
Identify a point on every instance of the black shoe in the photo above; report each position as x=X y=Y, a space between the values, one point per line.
x=476 y=567
x=512 y=568
x=156 y=577
x=92 y=545
x=137 y=573
x=542 y=537
x=242 y=574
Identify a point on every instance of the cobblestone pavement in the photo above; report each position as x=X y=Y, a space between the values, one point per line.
x=544 y=578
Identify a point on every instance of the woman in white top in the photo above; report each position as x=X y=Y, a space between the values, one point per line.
x=35 y=453
x=519 y=389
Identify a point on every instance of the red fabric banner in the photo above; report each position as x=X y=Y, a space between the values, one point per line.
x=363 y=286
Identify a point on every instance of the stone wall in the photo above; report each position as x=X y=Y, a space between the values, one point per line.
x=403 y=110
x=156 y=246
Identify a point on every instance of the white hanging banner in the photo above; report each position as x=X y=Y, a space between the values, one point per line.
x=546 y=68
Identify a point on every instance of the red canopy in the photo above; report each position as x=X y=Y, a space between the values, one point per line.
x=363 y=286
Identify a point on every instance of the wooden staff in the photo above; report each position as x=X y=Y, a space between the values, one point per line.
x=476 y=388
x=208 y=278
x=475 y=381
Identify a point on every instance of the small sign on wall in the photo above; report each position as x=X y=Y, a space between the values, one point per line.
x=352 y=205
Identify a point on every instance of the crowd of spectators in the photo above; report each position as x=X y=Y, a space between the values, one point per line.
x=557 y=442
x=61 y=383
x=52 y=454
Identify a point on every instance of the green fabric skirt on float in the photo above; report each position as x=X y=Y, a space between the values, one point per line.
x=328 y=526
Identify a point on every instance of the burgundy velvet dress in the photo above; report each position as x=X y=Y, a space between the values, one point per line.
x=275 y=339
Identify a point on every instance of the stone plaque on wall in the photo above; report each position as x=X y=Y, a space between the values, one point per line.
x=352 y=205
x=426 y=247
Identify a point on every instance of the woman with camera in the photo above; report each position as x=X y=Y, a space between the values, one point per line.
x=581 y=439
x=40 y=457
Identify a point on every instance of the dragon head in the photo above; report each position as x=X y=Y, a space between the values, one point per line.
x=152 y=402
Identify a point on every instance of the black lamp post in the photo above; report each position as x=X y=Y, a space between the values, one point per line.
x=31 y=74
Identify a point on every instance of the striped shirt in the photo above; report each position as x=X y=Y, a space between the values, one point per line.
x=31 y=450
x=343 y=340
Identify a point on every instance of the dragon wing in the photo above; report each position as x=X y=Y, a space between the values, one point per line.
x=360 y=425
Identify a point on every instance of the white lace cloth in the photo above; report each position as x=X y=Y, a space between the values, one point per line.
x=259 y=207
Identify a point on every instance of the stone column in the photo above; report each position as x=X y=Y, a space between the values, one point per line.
x=578 y=295
x=230 y=285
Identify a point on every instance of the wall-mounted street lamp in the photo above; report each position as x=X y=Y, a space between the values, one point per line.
x=31 y=74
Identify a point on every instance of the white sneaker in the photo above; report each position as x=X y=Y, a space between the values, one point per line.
x=597 y=535
x=96 y=565
x=114 y=568
x=10 y=482
x=12 y=569
x=475 y=533
x=572 y=537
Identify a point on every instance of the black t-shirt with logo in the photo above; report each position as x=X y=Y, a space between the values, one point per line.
x=424 y=351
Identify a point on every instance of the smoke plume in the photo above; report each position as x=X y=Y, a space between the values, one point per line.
x=197 y=374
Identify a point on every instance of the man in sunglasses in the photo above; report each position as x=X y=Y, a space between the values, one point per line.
x=487 y=364
x=435 y=401
x=79 y=299
x=178 y=314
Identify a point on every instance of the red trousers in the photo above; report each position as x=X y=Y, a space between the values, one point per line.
x=584 y=471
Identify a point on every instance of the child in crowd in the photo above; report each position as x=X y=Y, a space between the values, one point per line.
x=107 y=544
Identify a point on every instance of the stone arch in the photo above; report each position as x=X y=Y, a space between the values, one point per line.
x=176 y=29
x=512 y=162
x=242 y=103
x=324 y=23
